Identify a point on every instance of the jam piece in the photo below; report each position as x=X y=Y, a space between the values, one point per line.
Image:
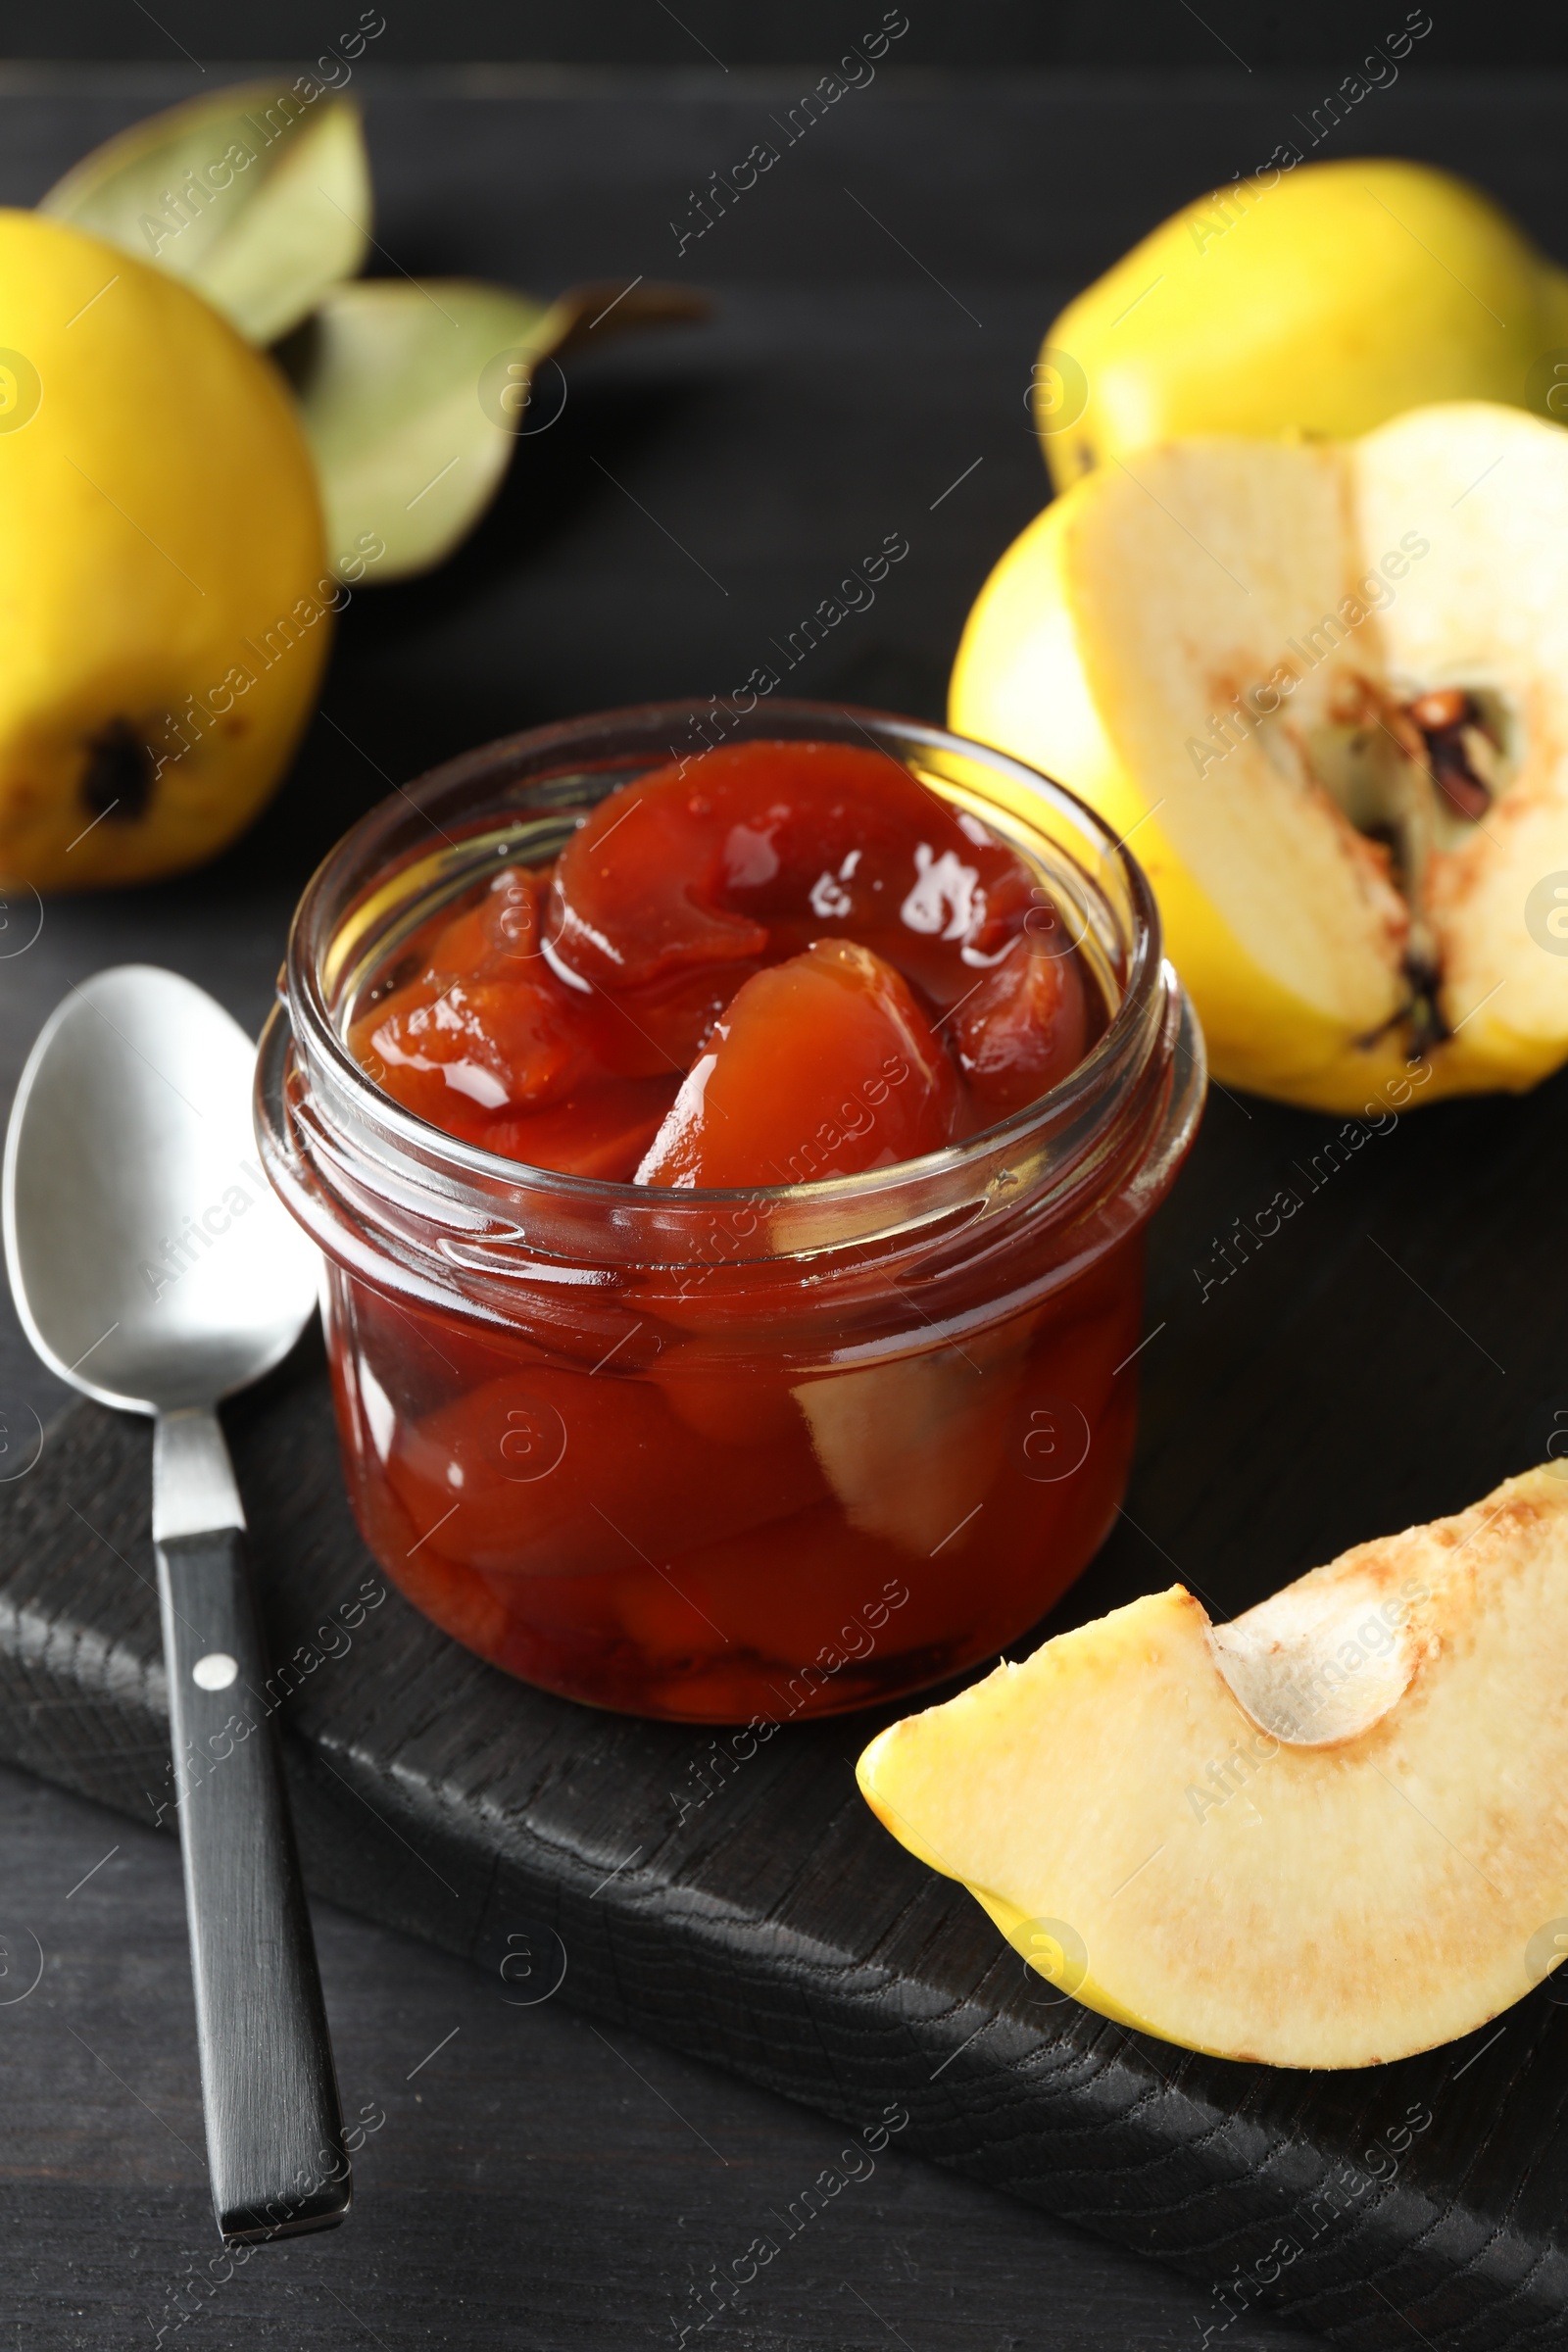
x=564 y=1474
x=497 y=1045
x=665 y=1026
x=687 y=1541
x=487 y=1042
x=1022 y=1030
x=601 y=1130
x=707 y=866
x=499 y=933
x=822 y=1066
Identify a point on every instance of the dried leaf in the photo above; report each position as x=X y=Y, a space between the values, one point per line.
x=257 y=196
x=413 y=397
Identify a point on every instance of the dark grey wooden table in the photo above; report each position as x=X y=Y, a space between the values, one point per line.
x=534 y=2184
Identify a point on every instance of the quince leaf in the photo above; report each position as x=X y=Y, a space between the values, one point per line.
x=413 y=394
x=258 y=197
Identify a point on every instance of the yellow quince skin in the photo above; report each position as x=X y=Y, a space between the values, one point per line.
x=167 y=603
x=1324 y=299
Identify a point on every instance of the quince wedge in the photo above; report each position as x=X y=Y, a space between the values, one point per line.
x=1328 y=298
x=1321 y=689
x=166 y=600
x=1329 y=1834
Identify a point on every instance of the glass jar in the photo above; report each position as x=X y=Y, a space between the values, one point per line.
x=728 y=1456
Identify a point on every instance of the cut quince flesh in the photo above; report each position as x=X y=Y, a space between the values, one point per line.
x=1329 y=1834
x=1323 y=687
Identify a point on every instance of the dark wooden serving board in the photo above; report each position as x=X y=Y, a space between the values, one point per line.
x=1385 y=1354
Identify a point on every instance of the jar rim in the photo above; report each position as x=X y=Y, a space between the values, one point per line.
x=535 y=753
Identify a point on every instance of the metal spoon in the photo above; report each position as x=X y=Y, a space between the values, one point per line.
x=153 y=1268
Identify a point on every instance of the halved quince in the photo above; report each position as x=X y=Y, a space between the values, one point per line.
x=1329 y=1834
x=1323 y=689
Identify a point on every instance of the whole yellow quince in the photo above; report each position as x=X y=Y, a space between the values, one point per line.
x=165 y=603
x=1326 y=297
x=1321 y=690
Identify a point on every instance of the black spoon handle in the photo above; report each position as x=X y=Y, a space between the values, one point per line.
x=274 y=2129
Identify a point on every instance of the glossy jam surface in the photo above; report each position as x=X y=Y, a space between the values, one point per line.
x=785 y=961
x=764 y=1490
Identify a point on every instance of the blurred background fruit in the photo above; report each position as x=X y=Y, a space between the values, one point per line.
x=1321 y=297
x=167 y=596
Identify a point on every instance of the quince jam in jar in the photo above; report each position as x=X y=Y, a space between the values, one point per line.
x=731 y=1168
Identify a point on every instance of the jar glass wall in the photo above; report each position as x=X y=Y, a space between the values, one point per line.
x=716 y=1455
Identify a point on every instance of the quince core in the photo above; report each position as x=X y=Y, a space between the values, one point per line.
x=1329 y=1834
x=1322 y=689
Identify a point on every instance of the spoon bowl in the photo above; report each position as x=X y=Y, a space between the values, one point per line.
x=153 y=1267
